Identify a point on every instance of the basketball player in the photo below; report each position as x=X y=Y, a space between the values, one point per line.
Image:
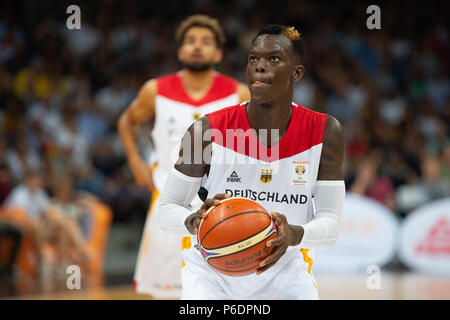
x=303 y=161
x=175 y=100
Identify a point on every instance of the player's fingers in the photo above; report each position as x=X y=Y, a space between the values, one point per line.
x=262 y=269
x=278 y=218
x=201 y=214
x=280 y=221
x=221 y=196
x=279 y=241
x=209 y=203
x=196 y=225
x=271 y=259
x=197 y=220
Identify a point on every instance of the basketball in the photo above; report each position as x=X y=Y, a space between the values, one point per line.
x=232 y=238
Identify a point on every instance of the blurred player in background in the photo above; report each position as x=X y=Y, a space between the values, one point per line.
x=309 y=162
x=175 y=101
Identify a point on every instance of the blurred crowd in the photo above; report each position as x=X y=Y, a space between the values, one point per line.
x=62 y=91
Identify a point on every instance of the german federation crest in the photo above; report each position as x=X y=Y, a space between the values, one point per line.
x=266 y=175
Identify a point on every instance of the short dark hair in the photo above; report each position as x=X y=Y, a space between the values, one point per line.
x=291 y=33
x=204 y=21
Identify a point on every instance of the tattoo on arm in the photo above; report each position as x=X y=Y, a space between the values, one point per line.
x=332 y=157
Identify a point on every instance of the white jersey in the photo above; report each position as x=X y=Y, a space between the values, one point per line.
x=176 y=111
x=281 y=179
x=158 y=268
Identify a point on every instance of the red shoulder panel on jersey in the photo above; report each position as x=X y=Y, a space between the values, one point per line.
x=171 y=87
x=233 y=131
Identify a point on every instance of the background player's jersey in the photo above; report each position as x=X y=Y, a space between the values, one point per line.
x=281 y=178
x=176 y=111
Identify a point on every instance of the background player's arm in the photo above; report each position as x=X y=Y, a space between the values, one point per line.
x=141 y=109
x=243 y=92
x=330 y=195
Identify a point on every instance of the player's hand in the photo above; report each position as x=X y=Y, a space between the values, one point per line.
x=201 y=213
x=286 y=236
x=142 y=174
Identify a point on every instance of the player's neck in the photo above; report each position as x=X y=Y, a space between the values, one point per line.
x=194 y=81
x=270 y=115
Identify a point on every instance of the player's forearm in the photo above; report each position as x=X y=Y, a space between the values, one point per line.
x=323 y=231
x=189 y=223
x=175 y=202
x=127 y=137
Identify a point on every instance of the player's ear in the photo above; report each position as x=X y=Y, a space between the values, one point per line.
x=219 y=55
x=179 y=53
x=297 y=74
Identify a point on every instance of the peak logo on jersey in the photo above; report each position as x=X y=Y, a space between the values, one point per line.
x=300 y=173
x=234 y=177
x=266 y=175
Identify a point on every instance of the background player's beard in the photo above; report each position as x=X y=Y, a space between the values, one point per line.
x=197 y=66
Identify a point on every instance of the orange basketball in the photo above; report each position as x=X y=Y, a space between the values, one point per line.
x=232 y=238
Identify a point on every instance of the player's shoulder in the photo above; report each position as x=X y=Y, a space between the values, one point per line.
x=325 y=125
x=329 y=120
x=222 y=78
x=170 y=85
x=224 y=84
x=226 y=117
x=309 y=112
x=168 y=80
x=147 y=91
x=226 y=111
x=334 y=128
x=310 y=123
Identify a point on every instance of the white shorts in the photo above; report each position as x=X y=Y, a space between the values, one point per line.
x=293 y=281
x=158 y=266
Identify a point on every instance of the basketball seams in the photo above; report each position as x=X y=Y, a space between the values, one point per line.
x=237 y=214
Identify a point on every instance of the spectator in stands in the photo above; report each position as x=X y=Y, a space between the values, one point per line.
x=30 y=197
x=369 y=182
x=33 y=201
x=75 y=220
x=50 y=222
x=6 y=181
x=430 y=186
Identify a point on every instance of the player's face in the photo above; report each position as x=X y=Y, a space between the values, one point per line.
x=271 y=68
x=199 y=50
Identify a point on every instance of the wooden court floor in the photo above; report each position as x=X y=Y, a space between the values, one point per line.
x=392 y=286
